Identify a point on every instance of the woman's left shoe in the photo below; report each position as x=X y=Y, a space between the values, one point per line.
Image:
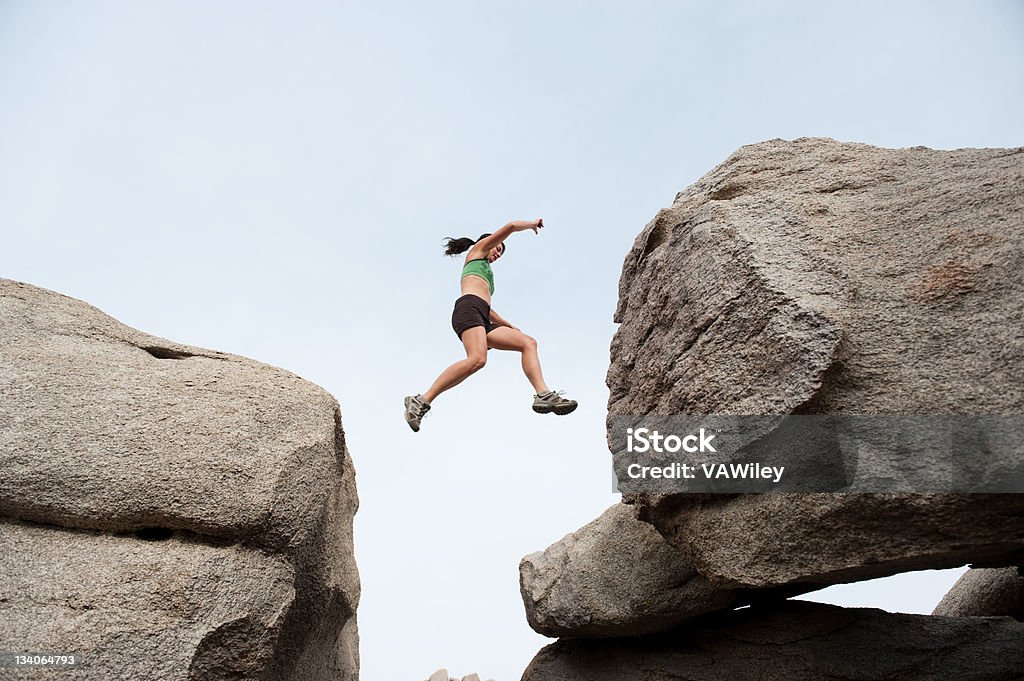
x=552 y=401
x=415 y=409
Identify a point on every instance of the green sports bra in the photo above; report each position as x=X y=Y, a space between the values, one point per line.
x=481 y=268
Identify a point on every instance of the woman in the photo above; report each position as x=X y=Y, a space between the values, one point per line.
x=481 y=328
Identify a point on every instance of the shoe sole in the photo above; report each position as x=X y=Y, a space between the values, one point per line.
x=561 y=411
x=415 y=428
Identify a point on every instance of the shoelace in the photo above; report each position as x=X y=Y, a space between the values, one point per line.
x=420 y=411
x=553 y=393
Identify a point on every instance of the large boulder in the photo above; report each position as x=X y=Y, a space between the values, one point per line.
x=826 y=277
x=795 y=641
x=616 y=576
x=985 y=592
x=816 y=277
x=167 y=508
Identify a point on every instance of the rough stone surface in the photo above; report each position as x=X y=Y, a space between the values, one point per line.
x=615 y=576
x=795 y=641
x=773 y=540
x=985 y=592
x=166 y=499
x=827 y=277
x=820 y=277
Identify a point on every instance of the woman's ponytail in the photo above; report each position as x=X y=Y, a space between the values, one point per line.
x=456 y=246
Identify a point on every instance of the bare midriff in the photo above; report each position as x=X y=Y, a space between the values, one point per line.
x=471 y=283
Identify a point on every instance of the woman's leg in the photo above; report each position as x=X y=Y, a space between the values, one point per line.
x=475 y=341
x=507 y=338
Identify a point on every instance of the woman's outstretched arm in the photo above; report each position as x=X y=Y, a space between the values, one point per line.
x=489 y=242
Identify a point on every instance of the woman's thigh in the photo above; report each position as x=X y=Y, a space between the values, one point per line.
x=507 y=338
x=474 y=339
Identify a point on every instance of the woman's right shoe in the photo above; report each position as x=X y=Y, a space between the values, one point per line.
x=552 y=401
x=415 y=410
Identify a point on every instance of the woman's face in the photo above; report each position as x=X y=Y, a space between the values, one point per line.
x=495 y=253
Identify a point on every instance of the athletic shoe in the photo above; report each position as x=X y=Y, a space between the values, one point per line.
x=415 y=409
x=552 y=401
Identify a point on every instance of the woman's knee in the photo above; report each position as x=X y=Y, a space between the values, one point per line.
x=530 y=343
x=477 y=362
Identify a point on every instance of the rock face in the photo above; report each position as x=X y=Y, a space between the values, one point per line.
x=982 y=592
x=168 y=511
x=819 y=277
x=772 y=540
x=829 y=278
x=796 y=641
x=802 y=278
x=614 y=577
x=617 y=576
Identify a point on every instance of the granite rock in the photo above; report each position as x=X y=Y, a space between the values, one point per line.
x=819 y=277
x=797 y=641
x=829 y=277
x=985 y=592
x=159 y=498
x=616 y=576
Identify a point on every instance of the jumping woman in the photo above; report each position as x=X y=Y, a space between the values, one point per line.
x=480 y=328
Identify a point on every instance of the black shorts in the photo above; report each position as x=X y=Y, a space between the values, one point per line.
x=471 y=310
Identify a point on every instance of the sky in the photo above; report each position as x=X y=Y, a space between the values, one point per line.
x=275 y=179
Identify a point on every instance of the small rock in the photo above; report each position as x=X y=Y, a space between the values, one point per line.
x=985 y=592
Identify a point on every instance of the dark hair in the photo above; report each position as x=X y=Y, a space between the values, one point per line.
x=456 y=246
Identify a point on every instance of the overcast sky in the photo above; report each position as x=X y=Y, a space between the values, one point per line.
x=274 y=180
